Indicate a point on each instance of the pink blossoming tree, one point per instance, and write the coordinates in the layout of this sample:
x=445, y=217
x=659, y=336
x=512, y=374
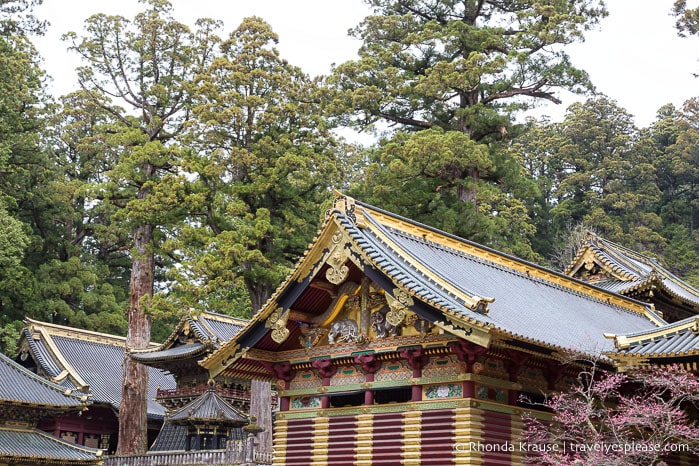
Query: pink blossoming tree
x=638, y=418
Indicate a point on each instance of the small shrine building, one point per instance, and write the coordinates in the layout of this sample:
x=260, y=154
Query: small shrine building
x=195, y=337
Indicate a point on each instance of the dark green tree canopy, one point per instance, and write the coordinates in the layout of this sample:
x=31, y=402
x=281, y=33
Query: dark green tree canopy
x=462, y=65
x=264, y=159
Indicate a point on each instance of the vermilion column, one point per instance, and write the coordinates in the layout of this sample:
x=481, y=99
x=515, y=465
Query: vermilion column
x=370, y=365
x=468, y=353
x=417, y=359
x=326, y=370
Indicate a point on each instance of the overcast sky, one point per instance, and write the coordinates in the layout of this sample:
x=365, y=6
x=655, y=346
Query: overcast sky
x=635, y=57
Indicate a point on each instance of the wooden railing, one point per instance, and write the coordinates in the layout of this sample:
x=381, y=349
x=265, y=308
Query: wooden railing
x=235, y=453
x=199, y=389
x=190, y=458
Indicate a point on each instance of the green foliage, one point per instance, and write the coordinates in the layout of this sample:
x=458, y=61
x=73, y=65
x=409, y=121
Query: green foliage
x=137, y=83
x=210, y=161
x=594, y=168
x=687, y=18
x=9, y=336
x=461, y=65
x=444, y=179
x=16, y=18
x=131, y=165
x=263, y=160
x=463, y=68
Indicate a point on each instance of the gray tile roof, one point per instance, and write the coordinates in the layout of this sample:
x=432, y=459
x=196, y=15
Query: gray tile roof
x=210, y=331
x=209, y=407
x=96, y=361
x=31, y=444
x=467, y=283
x=218, y=326
x=100, y=365
x=19, y=385
x=532, y=308
x=677, y=339
x=171, y=437
x=42, y=355
x=188, y=350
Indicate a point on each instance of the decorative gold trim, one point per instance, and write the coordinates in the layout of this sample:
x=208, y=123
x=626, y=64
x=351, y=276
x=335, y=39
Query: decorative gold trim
x=36, y=326
x=320, y=443
x=364, y=439
x=411, y=445
x=461, y=403
x=466, y=330
x=68, y=370
x=343, y=293
x=398, y=305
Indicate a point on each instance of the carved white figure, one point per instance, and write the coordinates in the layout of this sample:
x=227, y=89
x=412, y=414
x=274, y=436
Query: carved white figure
x=343, y=330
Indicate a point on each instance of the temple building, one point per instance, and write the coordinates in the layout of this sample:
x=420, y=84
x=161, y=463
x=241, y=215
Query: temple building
x=209, y=421
x=26, y=399
x=91, y=363
x=394, y=343
x=621, y=270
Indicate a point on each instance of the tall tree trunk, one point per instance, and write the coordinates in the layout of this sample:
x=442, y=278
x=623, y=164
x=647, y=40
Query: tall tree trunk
x=133, y=421
x=261, y=408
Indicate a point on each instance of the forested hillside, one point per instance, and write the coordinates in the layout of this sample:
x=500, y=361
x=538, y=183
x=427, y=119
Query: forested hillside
x=192, y=164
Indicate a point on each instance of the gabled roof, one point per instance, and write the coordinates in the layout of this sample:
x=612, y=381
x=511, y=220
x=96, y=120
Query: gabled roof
x=194, y=336
x=32, y=446
x=627, y=271
x=677, y=340
x=19, y=386
x=84, y=360
x=468, y=289
x=209, y=408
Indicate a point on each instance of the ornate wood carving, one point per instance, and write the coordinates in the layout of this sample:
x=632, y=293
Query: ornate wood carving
x=467, y=352
x=338, y=271
x=310, y=336
x=280, y=371
x=343, y=330
x=398, y=304
x=325, y=368
x=368, y=362
x=277, y=322
x=416, y=356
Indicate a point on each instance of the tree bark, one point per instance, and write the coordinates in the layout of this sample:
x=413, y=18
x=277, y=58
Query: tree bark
x=261, y=408
x=133, y=421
